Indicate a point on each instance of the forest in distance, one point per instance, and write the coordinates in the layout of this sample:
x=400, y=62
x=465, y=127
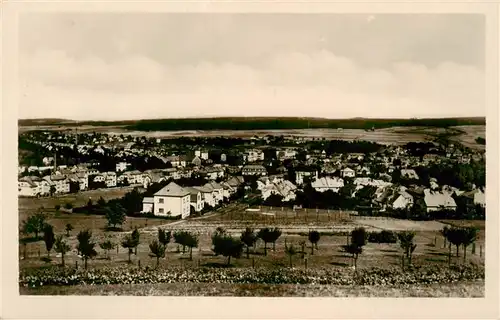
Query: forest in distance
x=259, y=123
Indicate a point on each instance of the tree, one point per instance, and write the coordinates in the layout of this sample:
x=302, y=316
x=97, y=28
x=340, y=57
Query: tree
x=354, y=250
x=359, y=237
x=406, y=242
x=314, y=237
x=128, y=242
x=267, y=236
x=136, y=236
x=290, y=251
x=180, y=238
x=358, y=240
x=68, y=206
x=86, y=246
x=34, y=224
x=57, y=207
x=52, y=190
x=227, y=246
x=107, y=246
x=69, y=227
x=469, y=236
x=157, y=250
x=191, y=241
x=164, y=237
x=275, y=234
x=455, y=236
x=61, y=247
x=115, y=215
x=248, y=237
x=49, y=238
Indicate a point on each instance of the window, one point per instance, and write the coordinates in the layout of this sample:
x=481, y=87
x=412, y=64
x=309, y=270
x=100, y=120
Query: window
x=160, y=210
x=161, y=200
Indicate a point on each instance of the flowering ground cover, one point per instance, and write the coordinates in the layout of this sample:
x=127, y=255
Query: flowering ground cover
x=324, y=276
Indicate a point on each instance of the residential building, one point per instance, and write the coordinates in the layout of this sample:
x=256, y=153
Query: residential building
x=207, y=195
x=110, y=179
x=196, y=198
x=300, y=175
x=348, y=173
x=327, y=183
x=148, y=204
x=409, y=174
x=253, y=169
x=172, y=200
x=402, y=200
x=435, y=200
x=60, y=182
x=122, y=166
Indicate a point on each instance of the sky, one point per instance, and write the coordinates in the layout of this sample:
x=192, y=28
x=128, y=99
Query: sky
x=117, y=66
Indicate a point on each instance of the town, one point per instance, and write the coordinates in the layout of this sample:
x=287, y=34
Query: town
x=182, y=177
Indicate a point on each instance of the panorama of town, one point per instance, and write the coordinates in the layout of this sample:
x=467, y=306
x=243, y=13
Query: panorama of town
x=229, y=210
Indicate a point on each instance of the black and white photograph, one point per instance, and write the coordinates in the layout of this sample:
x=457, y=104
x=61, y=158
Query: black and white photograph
x=252, y=154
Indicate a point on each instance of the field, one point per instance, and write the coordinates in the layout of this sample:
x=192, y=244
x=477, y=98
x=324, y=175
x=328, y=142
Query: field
x=393, y=135
x=333, y=226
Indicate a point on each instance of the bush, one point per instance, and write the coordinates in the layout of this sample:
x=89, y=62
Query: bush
x=383, y=236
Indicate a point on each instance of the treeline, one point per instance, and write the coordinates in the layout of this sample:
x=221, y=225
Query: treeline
x=292, y=123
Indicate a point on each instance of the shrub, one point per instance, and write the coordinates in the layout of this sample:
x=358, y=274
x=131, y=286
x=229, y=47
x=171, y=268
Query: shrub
x=383, y=236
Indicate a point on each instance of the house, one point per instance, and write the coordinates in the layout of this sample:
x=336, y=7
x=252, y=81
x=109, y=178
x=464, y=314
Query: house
x=151, y=176
x=60, y=182
x=29, y=186
x=122, y=166
x=217, y=190
x=148, y=204
x=196, y=161
x=207, y=195
x=409, y=174
x=235, y=182
x=477, y=196
x=300, y=175
x=213, y=173
x=361, y=182
x=172, y=201
x=255, y=155
x=435, y=200
x=347, y=173
x=327, y=183
x=284, y=188
x=196, y=198
x=81, y=178
x=263, y=181
x=253, y=169
x=285, y=154
x=203, y=154
x=402, y=200
x=110, y=179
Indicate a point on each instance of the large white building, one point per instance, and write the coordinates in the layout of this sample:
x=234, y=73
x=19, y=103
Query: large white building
x=172, y=201
x=327, y=183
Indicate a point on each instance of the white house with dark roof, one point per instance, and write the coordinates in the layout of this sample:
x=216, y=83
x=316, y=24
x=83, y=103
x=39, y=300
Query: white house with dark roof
x=172, y=201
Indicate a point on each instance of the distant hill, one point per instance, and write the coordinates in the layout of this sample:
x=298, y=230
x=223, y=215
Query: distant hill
x=260, y=123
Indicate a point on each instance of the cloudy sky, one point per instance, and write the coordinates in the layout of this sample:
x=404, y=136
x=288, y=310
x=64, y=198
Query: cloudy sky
x=144, y=65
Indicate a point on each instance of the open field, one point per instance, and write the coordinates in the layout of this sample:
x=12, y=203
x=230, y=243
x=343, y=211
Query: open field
x=234, y=218
x=468, y=138
x=393, y=135
x=456, y=290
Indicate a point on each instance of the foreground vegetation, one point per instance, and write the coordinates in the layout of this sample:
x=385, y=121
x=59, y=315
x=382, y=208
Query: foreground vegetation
x=457, y=290
x=325, y=276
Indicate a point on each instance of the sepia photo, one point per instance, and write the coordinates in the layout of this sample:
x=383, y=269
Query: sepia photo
x=253, y=154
